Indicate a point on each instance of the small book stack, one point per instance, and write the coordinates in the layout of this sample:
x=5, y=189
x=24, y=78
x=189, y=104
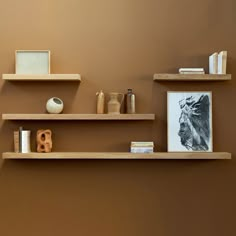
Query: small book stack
x=217, y=63
x=142, y=147
x=191, y=71
x=22, y=140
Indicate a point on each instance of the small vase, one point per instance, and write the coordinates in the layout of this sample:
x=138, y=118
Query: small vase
x=115, y=103
x=54, y=105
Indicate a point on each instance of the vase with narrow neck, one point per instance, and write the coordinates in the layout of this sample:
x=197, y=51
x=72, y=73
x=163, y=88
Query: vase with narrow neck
x=115, y=102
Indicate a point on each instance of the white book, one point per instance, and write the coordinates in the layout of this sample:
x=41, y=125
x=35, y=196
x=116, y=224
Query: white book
x=192, y=72
x=213, y=63
x=25, y=141
x=141, y=149
x=190, y=69
x=222, y=61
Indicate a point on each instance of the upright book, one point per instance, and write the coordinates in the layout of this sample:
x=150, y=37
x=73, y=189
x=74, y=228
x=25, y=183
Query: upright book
x=222, y=61
x=213, y=63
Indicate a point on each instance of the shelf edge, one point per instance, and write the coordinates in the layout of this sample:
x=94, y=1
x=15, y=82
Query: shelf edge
x=120, y=155
x=40, y=77
x=191, y=77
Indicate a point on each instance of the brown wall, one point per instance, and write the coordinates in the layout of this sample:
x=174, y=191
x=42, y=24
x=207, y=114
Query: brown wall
x=117, y=45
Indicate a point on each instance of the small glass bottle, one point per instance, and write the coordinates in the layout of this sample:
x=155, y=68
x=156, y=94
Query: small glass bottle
x=130, y=102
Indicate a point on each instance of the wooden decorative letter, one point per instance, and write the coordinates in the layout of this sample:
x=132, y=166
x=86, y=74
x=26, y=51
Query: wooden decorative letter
x=44, y=140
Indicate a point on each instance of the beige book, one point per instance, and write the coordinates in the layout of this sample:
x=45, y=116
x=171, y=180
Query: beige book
x=16, y=141
x=142, y=144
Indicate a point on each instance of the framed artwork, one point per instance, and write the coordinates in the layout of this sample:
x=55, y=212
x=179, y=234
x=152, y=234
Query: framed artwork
x=32, y=62
x=189, y=121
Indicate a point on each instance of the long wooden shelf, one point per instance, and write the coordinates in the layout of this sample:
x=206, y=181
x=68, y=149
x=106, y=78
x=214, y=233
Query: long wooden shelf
x=120, y=155
x=78, y=117
x=46, y=77
x=191, y=77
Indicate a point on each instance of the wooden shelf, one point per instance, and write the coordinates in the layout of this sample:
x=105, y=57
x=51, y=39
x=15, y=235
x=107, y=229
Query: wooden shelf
x=120, y=155
x=78, y=117
x=191, y=77
x=47, y=77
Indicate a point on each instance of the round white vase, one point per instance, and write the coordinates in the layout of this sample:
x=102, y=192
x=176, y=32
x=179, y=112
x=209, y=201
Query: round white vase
x=54, y=105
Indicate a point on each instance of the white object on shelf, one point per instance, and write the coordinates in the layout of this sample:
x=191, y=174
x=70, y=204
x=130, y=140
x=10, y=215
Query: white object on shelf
x=213, y=63
x=32, y=62
x=141, y=149
x=25, y=141
x=54, y=105
x=191, y=70
x=222, y=61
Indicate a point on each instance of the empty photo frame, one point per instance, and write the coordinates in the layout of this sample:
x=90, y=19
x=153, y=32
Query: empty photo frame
x=32, y=62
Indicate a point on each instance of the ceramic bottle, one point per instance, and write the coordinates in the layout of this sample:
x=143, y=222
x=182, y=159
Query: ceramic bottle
x=130, y=102
x=100, y=102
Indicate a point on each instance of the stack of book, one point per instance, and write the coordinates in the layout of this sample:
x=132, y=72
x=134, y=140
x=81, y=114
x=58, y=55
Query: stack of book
x=191, y=71
x=217, y=63
x=22, y=140
x=142, y=147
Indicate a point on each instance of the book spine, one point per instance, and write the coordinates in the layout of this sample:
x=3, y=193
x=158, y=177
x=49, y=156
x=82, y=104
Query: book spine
x=142, y=144
x=141, y=149
x=191, y=69
x=16, y=141
x=20, y=139
x=192, y=72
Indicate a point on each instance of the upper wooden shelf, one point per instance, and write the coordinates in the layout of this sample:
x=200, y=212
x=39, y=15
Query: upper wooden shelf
x=120, y=155
x=191, y=77
x=78, y=117
x=47, y=77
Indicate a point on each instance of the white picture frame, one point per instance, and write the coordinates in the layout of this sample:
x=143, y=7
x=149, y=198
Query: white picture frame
x=189, y=121
x=32, y=62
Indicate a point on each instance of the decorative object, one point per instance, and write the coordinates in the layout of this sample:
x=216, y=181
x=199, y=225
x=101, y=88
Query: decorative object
x=100, y=102
x=189, y=121
x=54, y=105
x=130, y=102
x=115, y=102
x=44, y=140
x=32, y=62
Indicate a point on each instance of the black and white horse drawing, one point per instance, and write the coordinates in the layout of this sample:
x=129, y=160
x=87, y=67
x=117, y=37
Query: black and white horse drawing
x=194, y=122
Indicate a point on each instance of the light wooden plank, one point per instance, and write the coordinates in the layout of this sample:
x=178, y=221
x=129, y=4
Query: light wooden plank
x=120, y=155
x=78, y=117
x=191, y=77
x=48, y=77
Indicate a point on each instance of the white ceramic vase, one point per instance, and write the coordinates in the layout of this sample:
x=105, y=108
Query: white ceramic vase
x=54, y=105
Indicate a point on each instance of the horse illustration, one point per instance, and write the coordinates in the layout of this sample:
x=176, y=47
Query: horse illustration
x=194, y=123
